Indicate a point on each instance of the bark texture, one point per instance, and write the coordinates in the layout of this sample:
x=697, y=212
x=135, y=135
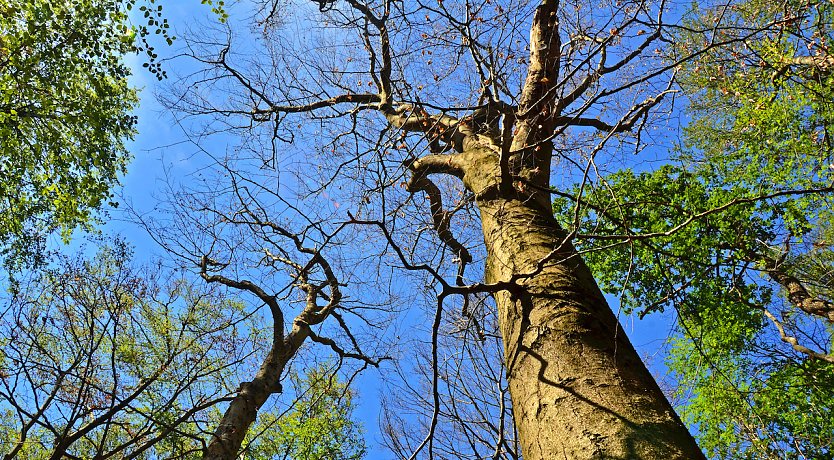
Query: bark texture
x=243, y=410
x=579, y=389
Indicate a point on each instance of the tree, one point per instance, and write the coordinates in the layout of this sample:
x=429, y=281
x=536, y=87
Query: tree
x=777, y=118
x=65, y=114
x=231, y=221
x=736, y=236
x=368, y=109
x=103, y=359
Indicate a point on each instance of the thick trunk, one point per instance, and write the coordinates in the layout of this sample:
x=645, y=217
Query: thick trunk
x=579, y=389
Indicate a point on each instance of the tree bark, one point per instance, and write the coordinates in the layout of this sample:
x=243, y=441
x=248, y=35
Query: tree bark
x=579, y=389
x=243, y=410
x=227, y=439
x=798, y=295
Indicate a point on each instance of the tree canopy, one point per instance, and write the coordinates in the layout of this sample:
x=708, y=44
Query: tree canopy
x=735, y=235
x=65, y=115
x=104, y=358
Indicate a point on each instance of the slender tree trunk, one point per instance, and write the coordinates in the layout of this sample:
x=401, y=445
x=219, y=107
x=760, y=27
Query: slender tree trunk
x=227, y=439
x=579, y=389
x=243, y=410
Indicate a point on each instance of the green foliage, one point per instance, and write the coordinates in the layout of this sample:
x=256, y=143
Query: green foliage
x=752, y=406
x=318, y=425
x=65, y=114
x=748, y=393
x=683, y=232
x=763, y=107
x=101, y=358
x=218, y=8
x=763, y=113
x=151, y=23
x=748, y=197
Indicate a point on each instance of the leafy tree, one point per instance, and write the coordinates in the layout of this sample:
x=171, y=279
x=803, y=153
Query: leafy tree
x=774, y=388
x=101, y=358
x=65, y=114
x=736, y=236
x=104, y=359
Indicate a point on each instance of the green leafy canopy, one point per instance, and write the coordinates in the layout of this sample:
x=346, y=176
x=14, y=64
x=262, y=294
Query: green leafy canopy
x=727, y=233
x=65, y=114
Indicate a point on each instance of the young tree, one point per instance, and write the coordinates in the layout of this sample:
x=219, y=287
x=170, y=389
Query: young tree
x=376, y=105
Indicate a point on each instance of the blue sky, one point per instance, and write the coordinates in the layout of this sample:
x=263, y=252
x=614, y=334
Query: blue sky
x=160, y=149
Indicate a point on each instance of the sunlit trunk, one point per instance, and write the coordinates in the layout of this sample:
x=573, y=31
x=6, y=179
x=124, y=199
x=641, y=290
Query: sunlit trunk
x=228, y=438
x=578, y=387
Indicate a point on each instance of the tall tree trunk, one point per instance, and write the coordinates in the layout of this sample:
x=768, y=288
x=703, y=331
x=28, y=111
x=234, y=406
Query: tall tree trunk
x=579, y=389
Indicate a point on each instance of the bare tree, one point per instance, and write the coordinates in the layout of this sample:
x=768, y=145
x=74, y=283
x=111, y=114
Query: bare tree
x=349, y=133
x=235, y=242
